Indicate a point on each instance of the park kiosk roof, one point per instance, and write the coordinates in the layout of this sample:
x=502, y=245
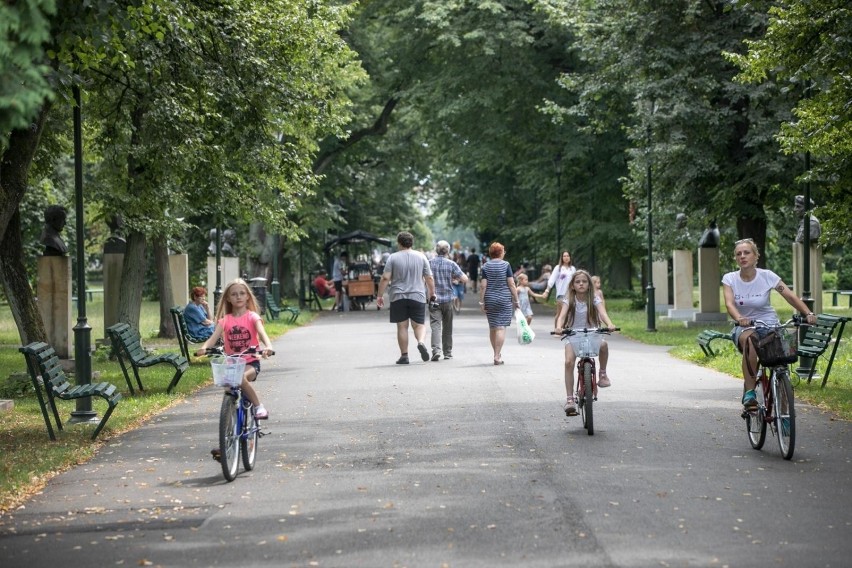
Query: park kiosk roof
x=355, y=237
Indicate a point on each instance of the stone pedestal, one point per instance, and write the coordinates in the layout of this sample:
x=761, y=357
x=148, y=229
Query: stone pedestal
x=179, y=269
x=660, y=273
x=709, y=283
x=54, y=302
x=112, y=288
x=683, y=277
x=230, y=271
x=815, y=273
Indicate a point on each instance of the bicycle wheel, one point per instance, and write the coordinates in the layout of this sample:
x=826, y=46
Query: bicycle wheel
x=756, y=420
x=229, y=436
x=588, y=397
x=248, y=443
x=785, y=413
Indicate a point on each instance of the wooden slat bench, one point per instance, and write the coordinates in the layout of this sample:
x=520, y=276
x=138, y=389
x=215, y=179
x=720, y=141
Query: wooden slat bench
x=707, y=336
x=44, y=364
x=274, y=309
x=184, y=336
x=126, y=344
x=835, y=293
x=817, y=340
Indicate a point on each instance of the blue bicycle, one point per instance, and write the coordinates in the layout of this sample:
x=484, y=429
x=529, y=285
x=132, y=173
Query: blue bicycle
x=239, y=430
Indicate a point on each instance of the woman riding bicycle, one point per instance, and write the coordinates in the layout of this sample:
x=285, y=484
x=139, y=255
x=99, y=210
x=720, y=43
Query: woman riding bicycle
x=747, y=298
x=239, y=324
x=577, y=315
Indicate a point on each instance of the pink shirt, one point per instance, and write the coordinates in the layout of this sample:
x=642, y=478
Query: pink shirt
x=240, y=333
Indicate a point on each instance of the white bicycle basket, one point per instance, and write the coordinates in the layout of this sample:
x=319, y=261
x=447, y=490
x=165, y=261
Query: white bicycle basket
x=586, y=344
x=227, y=371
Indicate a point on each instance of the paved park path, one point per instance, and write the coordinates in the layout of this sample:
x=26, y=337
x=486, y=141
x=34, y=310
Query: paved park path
x=453, y=464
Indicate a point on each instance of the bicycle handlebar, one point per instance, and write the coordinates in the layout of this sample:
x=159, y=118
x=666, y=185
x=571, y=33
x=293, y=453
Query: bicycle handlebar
x=567, y=332
x=253, y=350
x=795, y=321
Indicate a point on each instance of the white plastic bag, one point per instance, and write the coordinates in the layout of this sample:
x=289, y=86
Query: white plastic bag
x=525, y=332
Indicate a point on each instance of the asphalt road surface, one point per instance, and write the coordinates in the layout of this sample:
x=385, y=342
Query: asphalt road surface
x=456, y=463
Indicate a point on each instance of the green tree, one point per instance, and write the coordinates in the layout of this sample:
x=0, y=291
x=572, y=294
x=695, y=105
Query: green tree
x=805, y=48
x=706, y=139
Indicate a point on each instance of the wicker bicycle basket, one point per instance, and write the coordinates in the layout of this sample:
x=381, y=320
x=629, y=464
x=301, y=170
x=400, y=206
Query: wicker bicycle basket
x=778, y=347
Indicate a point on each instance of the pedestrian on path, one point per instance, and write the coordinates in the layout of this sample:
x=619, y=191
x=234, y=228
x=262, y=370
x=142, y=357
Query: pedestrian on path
x=559, y=279
x=409, y=282
x=498, y=297
x=444, y=271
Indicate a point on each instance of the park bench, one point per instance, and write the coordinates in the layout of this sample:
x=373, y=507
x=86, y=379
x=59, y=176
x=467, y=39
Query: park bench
x=313, y=298
x=46, y=371
x=707, y=336
x=127, y=347
x=817, y=340
x=836, y=293
x=275, y=310
x=183, y=335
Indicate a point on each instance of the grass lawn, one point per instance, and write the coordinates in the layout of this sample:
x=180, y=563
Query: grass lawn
x=31, y=459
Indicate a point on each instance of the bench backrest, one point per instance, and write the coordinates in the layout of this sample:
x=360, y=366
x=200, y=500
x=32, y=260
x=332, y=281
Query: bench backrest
x=818, y=336
x=181, y=329
x=44, y=361
x=128, y=338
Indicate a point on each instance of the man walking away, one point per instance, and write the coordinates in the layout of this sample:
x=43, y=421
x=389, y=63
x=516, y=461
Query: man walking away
x=404, y=277
x=473, y=267
x=444, y=271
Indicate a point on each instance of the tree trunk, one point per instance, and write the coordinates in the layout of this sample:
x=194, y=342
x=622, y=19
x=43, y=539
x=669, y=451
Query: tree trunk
x=754, y=229
x=132, y=280
x=17, y=287
x=164, y=289
x=14, y=175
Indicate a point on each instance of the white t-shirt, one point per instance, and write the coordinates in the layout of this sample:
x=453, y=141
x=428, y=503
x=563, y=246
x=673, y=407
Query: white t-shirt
x=581, y=313
x=560, y=278
x=752, y=298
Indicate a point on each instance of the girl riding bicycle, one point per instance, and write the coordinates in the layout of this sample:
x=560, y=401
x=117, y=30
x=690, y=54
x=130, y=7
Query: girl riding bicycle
x=240, y=326
x=577, y=315
x=747, y=292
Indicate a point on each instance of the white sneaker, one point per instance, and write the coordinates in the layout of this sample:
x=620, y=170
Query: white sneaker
x=603, y=380
x=260, y=412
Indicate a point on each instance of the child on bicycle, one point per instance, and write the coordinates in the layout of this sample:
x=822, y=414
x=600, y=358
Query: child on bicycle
x=577, y=315
x=747, y=292
x=240, y=326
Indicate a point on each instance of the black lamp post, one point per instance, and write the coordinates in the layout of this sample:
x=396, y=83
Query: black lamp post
x=651, y=300
x=82, y=331
x=276, y=285
x=217, y=292
x=557, y=167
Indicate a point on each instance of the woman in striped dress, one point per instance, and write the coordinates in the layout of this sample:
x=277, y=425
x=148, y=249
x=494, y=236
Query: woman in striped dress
x=498, y=297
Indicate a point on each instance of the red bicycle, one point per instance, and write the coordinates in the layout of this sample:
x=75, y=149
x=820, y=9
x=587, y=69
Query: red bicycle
x=586, y=343
x=775, y=408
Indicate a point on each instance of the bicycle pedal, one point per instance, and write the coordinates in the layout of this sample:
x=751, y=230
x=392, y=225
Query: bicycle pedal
x=261, y=433
x=216, y=454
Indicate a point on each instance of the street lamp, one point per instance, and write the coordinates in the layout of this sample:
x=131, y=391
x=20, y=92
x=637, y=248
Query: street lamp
x=82, y=331
x=651, y=300
x=557, y=167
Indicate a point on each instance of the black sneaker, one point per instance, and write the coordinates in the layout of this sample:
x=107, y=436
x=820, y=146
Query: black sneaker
x=448, y=355
x=402, y=360
x=424, y=353
x=436, y=357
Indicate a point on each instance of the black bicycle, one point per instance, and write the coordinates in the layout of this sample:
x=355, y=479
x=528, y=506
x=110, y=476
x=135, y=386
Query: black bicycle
x=775, y=406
